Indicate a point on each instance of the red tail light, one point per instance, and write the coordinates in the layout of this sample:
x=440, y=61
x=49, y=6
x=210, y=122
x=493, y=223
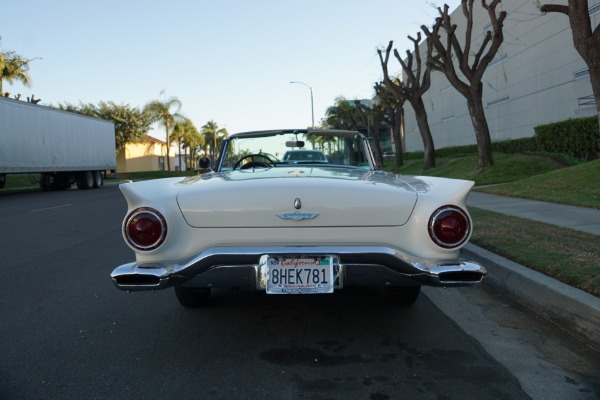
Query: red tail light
x=145, y=229
x=449, y=227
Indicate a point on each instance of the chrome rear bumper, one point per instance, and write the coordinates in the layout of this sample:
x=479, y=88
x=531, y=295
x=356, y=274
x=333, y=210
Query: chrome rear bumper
x=242, y=267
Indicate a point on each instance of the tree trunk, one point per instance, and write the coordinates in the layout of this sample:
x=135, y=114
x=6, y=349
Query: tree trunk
x=485, y=156
x=397, y=127
x=586, y=40
x=168, y=152
x=179, y=153
x=428, y=147
x=186, y=158
x=192, y=160
x=376, y=130
x=595, y=80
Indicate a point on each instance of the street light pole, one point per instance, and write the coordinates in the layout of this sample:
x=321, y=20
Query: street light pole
x=312, y=108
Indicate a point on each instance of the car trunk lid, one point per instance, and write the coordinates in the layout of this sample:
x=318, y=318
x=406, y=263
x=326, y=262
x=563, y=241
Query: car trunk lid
x=297, y=197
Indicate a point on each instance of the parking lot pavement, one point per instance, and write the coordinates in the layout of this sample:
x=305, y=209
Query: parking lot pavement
x=575, y=311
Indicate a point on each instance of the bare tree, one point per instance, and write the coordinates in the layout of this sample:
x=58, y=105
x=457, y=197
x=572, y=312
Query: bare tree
x=371, y=118
x=393, y=114
x=417, y=82
x=586, y=41
x=451, y=52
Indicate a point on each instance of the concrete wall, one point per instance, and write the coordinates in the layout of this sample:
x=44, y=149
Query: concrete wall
x=537, y=77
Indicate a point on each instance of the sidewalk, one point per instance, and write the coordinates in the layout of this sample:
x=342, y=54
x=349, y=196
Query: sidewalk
x=578, y=218
x=573, y=310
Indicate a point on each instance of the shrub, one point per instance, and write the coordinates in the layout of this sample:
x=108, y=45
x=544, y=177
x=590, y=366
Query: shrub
x=515, y=146
x=579, y=137
x=573, y=138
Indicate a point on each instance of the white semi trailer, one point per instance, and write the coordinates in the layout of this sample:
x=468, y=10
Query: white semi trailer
x=63, y=147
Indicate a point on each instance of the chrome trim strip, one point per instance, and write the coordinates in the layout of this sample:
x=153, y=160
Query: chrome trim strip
x=154, y=276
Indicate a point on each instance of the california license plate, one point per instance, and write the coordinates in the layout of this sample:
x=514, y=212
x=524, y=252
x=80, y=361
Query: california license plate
x=300, y=275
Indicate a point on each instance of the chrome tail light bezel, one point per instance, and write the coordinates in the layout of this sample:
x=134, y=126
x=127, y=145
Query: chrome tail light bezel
x=439, y=215
x=156, y=217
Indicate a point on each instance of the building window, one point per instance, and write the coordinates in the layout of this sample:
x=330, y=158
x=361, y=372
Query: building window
x=161, y=163
x=498, y=101
x=582, y=73
x=586, y=101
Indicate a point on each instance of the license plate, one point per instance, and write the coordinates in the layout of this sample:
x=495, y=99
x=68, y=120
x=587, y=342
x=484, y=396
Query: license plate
x=300, y=275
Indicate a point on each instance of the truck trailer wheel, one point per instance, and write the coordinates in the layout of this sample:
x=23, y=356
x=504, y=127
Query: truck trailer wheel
x=85, y=180
x=62, y=181
x=98, y=179
x=45, y=182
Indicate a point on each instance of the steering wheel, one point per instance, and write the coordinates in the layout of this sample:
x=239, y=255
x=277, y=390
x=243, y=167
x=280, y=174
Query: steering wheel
x=254, y=164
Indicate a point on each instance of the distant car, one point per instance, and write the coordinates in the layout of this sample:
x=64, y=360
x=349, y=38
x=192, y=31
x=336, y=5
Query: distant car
x=388, y=155
x=259, y=223
x=304, y=156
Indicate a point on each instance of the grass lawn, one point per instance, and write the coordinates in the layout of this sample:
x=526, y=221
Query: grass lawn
x=578, y=185
x=533, y=177
x=22, y=181
x=507, y=168
x=567, y=255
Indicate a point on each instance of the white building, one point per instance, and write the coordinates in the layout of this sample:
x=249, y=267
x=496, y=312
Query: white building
x=537, y=77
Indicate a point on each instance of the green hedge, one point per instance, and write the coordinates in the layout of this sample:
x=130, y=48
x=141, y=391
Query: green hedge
x=578, y=137
x=515, y=146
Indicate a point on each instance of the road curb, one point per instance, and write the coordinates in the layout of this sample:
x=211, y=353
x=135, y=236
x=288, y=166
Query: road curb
x=572, y=310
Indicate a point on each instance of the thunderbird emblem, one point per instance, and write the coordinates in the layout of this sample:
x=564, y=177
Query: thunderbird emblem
x=298, y=216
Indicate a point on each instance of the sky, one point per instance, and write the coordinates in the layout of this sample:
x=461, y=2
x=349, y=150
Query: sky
x=230, y=61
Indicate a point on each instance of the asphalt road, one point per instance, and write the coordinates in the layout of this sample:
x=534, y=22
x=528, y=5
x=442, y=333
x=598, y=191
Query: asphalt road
x=67, y=333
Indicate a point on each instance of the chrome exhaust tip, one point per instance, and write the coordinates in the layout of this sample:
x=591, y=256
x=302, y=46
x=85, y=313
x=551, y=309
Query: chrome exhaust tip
x=130, y=277
x=458, y=273
x=136, y=280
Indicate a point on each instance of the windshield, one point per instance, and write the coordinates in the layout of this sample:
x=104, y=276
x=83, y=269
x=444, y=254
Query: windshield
x=281, y=149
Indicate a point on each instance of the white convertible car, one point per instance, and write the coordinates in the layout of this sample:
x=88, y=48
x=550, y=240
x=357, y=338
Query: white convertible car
x=296, y=227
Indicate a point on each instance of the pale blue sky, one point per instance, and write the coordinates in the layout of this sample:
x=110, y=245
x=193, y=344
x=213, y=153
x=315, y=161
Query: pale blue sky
x=230, y=61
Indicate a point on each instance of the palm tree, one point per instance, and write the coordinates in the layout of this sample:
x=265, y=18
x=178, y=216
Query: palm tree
x=213, y=136
x=13, y=68
x=325, y=141
x=188, y=137
x=342, y=115
x=178, y=135
x=165, y=113
x=192, y=140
